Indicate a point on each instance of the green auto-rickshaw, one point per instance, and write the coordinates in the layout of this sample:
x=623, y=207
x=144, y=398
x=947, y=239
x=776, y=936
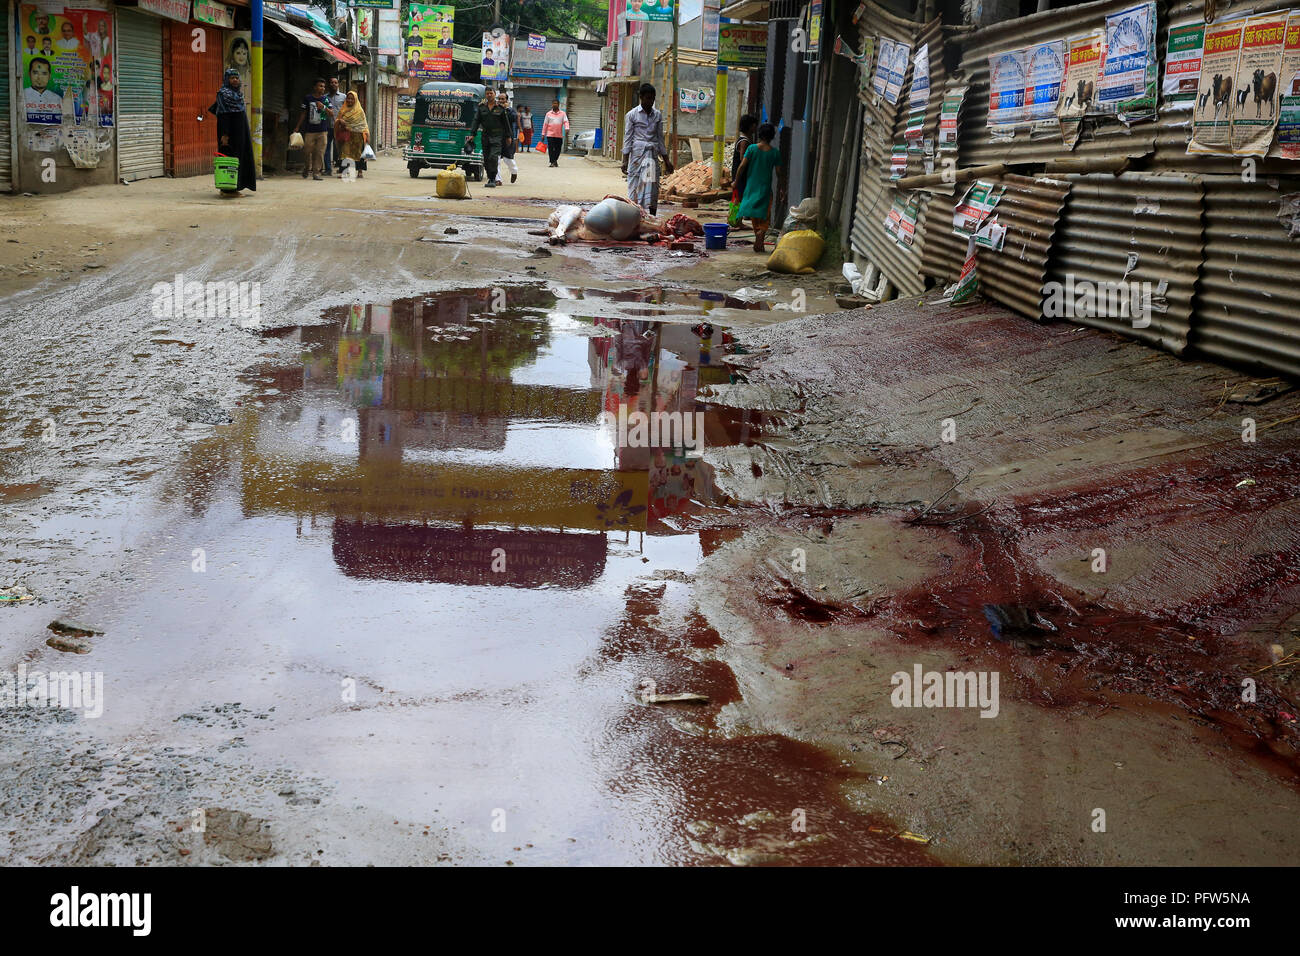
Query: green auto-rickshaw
x=440, y=125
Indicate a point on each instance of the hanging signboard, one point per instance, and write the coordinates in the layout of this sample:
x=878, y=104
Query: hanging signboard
x=217, y=14
x=709, y=25
x=389, y=40
x=743, y=46
x=657, y=10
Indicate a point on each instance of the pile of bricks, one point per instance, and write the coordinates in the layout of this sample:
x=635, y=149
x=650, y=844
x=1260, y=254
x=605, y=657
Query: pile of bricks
x=695, y=181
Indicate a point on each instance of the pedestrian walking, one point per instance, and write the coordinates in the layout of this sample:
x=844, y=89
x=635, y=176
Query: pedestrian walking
x=761, y=160
x=643, y=145
x=525, y=127
x=352, y=133
x=233, y=135
x=335, y=97
x=512, y=141
x=318, y=117
x=554, y=126
x=746, y=127
x=494, y=123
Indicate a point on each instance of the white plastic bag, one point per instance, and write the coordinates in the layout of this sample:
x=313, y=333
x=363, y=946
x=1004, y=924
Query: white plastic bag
x=295, y=140
x=367, y=153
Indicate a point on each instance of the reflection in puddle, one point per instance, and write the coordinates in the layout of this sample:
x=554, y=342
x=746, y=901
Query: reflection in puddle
x=470, y=523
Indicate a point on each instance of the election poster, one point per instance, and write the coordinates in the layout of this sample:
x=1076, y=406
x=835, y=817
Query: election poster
x=67, y=66
x=1127, y=86
x=1007, y=82
x=1046, y=68
x=429, y=40
x=1183, y=65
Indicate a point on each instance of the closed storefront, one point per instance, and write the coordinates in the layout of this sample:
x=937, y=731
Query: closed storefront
x=586, y=110
x=139, y=95
x=538, y=100
x=6, y=132
x=192, y=73
x=387, y=135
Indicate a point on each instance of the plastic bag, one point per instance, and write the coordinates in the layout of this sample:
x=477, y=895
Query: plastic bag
x=802, y=216
x=367, y=153
x=295, y=140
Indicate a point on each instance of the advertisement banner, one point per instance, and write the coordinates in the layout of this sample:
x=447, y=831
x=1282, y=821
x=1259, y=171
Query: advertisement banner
x=1046, y=69
x=643, y=10
x=1288, y=125
x=1183, y=65
x=67, y=66
x=557, y=60
x=218, y=14
x=1212, y=114
x=1254, y=111
x=709, y=25
x=1007, y=84
x=1079, y=87
x=744, y=46
x=495, y=62
x=536, y=41
x=375, y=4
x=389, y=41
x=429, y=40
x=1128, y=74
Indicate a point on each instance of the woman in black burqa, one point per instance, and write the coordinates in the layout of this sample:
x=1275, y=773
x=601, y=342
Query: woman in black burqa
x=233, y=135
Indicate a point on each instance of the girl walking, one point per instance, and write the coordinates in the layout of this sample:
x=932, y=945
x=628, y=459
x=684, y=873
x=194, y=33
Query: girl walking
x=760, y=161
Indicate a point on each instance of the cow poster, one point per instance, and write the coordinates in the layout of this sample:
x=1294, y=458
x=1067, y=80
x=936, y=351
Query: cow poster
x=1212, y=113
x=1288, y=126
x=1255, y=97
x=1079, y=87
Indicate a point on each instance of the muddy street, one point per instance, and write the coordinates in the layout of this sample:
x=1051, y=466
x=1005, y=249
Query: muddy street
x=392, y=572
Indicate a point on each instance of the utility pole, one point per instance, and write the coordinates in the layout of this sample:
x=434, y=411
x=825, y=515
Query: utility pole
x=719, y=123
x=673, y=104
x=255, y=11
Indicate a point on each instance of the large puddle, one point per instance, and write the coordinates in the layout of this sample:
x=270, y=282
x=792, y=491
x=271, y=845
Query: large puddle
x=435, y=555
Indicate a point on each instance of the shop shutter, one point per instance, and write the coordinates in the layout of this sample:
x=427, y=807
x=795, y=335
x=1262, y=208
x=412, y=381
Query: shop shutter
x=193, y=79
x=538, y=99
x=585, y=111
x=139, y=96
x=6, y=157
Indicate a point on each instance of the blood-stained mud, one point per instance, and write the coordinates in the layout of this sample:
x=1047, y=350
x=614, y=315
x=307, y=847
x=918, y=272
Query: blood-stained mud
x=420, y=574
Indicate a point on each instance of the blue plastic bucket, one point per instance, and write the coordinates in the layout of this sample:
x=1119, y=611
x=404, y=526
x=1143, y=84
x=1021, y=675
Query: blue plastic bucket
x=715, y=235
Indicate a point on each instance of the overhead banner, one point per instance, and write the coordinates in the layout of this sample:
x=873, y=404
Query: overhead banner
x=495, y=63
x=642, y=10
x=429, y=40
x=742, y=46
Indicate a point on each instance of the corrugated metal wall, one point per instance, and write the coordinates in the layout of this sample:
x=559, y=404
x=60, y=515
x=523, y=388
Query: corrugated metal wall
x=1247, y=309
x=139, y=96
x=881, y=123
x=6, y=131
x=1136, y=228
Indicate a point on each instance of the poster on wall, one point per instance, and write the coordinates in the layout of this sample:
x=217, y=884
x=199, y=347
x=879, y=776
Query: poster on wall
x=1288, y=124
x=948, y=114
x=67, y=66
x=918, y=99
x=1007, y=84
x=1079, y=87
x=429, y=34
x=236, y=54
x=899, y=56
x=1127, y=86
x=881, y=78
x=1255, y=107
x=1045, y=66
x=865, y=60
x=1183, y=65
x=1212, y=114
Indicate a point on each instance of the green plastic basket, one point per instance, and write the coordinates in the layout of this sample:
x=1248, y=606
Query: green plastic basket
x=225, y=171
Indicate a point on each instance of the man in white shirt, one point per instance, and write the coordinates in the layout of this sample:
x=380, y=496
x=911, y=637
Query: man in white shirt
x=643, y=145
x=38, y=98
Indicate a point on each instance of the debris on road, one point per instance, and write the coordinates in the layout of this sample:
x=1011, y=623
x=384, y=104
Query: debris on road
x=682, y=698
x=15, y=595
x=69, y=644
x=76, y=628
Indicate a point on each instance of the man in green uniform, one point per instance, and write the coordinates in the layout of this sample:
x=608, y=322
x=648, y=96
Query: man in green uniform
x=493, y=120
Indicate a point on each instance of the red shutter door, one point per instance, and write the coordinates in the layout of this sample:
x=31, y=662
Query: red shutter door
x=192, y=83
